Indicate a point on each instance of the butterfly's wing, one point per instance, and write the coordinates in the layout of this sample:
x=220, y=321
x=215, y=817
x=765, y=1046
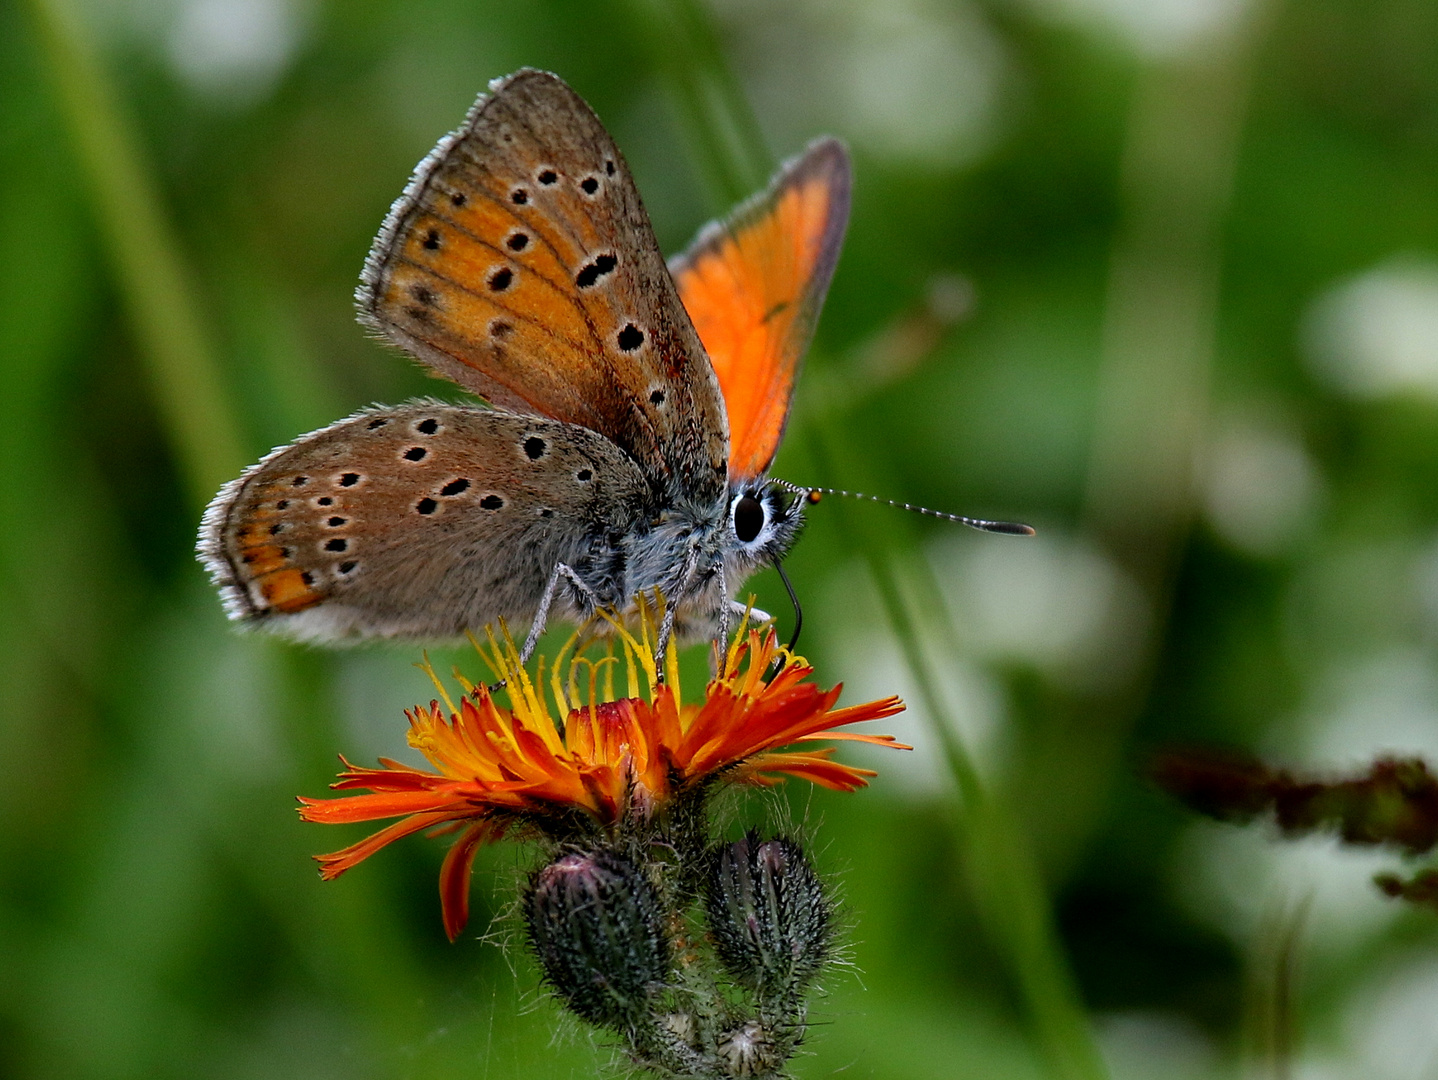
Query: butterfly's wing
x=520, y=263
x=418, y=521
x=753, y=286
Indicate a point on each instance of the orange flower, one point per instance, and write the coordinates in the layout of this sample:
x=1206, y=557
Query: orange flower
x=612, y=761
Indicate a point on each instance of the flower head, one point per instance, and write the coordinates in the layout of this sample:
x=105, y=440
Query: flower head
x=597, y=762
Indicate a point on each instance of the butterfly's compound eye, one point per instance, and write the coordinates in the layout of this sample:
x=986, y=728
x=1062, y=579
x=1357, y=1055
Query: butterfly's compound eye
x=748, y=518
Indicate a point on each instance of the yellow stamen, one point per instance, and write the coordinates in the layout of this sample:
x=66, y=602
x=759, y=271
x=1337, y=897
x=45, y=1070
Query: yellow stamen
x=428, y=669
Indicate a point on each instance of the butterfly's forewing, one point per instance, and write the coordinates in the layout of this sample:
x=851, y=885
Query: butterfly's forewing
x=753, y=286
x=520, y=263
x=418, y=521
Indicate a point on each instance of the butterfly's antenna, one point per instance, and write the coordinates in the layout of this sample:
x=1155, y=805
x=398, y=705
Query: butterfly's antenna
x=814, y=494
x=793, y=599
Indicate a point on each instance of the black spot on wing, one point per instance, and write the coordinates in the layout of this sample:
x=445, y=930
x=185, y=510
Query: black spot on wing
x=591, y=272
x=630, y=338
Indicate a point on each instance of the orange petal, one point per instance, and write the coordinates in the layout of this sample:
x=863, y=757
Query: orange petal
x=337, y=862
x=855, y=736
x=814, y=767
x=454, y=877
x=379, y=805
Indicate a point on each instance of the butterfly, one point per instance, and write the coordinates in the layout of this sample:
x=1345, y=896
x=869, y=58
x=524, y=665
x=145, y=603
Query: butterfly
x=633, y=407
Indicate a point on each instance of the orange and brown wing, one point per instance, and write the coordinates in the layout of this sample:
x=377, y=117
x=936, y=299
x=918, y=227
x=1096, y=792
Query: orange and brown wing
x=520, y=263
x=754, y=285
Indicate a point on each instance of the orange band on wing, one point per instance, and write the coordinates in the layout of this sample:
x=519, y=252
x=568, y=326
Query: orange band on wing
x=753, y=290
x=288, y=591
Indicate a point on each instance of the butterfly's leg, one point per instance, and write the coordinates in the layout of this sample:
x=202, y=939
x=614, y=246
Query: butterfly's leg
x=721, y=635
x=561, y=570
x=671, y=609
x=725, y=607
x=756, y=615
x=541, y=616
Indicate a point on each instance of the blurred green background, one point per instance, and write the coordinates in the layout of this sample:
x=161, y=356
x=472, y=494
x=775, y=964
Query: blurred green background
x=1160, y=278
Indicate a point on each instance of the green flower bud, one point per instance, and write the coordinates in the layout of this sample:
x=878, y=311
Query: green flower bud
x=771, y=920
x=595, y=923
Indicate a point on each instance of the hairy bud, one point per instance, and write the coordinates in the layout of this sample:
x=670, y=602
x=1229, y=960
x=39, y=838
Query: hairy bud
x=771, y=920
x=596, y=924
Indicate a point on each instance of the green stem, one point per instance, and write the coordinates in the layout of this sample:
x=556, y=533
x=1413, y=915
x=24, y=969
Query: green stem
x=723, y=132
x=150, y=271
x=1007, y=886
x=956, y=755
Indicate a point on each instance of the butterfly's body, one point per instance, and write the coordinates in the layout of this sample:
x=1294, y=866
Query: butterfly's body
x=618, y=457
x=695, y=553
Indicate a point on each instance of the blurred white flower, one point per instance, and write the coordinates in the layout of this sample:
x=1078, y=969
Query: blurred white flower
x=1050, y=601
x=1260, y=488
x=1382, y=704
x=915, y=80
x=234, y=49
x=1234, y=878
x=855, y=634
x=973, y=701
x=1153, y=28
x=1391, y=1024
x=918, y=81
x=1144, y=1045
x=1376, y=334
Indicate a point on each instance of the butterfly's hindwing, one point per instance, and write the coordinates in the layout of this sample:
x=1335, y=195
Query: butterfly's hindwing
x=418, y=521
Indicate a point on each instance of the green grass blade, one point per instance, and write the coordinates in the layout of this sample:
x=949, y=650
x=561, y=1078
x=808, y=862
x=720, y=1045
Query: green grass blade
x=149, y=268
x=1003, y=877
x=723, y=133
